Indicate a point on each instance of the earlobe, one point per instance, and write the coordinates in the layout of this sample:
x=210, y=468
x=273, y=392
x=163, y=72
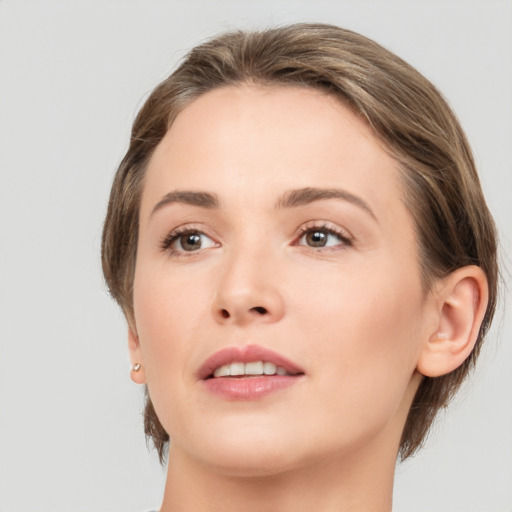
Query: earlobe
x=138, y=373
x=461, y=304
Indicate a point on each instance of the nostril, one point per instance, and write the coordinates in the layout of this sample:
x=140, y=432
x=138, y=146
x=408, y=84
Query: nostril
x=224, y=313
x=260, y=310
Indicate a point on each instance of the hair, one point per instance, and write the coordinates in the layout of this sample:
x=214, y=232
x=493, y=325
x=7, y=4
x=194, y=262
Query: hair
x=441, y=188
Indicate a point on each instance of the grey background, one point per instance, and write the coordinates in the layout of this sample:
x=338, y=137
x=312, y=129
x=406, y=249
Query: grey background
x=72, y=76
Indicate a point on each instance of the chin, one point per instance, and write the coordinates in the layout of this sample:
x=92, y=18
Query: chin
x=249, y=452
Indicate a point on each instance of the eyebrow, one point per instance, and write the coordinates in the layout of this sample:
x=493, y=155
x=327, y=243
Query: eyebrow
x=303, y=196
x=190, y=197
x=290, y=199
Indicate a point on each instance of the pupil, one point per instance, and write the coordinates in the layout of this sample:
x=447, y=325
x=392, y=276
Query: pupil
x=191, y=241
x=317, y=238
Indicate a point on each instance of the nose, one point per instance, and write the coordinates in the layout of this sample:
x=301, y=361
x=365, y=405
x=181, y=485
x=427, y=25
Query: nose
x=248, y=292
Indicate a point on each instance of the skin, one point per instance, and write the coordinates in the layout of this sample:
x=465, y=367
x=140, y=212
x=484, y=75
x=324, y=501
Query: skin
x=353, y=314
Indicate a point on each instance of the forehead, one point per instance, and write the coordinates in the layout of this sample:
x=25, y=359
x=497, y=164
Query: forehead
x=239, y=139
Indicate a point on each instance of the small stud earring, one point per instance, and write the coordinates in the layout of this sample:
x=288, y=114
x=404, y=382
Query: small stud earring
x=136, y=367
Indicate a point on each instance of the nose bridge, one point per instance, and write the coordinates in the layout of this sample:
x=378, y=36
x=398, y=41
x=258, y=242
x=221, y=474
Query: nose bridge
x=248, y=286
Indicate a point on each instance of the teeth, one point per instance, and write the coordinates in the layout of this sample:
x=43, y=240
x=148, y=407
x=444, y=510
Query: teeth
x=237, y=369
x=222, y=371
x=252, y=368
x=269, y=368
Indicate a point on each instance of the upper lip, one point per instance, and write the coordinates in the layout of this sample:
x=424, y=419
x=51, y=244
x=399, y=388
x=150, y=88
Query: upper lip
x=245, y=354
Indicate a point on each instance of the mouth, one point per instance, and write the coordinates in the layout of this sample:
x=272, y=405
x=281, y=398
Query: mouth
x=239, y=369
x=247, y=361
x=248, y=373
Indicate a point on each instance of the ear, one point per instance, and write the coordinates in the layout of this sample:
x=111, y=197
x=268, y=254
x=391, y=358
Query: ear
x=461, y=304
x=138, y=373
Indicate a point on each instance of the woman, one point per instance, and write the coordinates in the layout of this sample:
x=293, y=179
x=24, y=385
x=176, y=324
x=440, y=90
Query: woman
x=299, y=242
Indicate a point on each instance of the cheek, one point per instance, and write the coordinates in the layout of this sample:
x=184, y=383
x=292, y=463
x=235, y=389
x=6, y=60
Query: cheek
x=168, y=315
x=369, y=310
x=367, y=344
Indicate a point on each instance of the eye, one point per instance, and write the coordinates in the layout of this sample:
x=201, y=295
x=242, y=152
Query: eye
x=320, y=237
x=187, y=241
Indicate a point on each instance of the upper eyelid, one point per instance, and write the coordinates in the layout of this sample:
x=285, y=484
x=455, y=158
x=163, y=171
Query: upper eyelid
x=324, y=225
x=191, y=227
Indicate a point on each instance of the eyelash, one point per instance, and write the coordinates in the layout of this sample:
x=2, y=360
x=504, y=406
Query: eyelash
x=345, y=239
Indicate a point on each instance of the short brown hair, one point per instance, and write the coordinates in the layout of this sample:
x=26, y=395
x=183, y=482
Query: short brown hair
x=454, y=227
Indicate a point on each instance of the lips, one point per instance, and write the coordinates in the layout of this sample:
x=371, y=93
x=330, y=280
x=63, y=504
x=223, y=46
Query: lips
x=248, y=373
x=246, y=354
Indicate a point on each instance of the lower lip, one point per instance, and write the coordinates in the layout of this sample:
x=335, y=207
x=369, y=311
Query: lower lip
x=249, y=388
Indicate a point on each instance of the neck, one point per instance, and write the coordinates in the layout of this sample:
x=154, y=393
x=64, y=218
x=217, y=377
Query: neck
x=348, y=483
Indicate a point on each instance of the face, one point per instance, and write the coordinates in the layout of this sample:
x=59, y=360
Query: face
x=274, y=238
